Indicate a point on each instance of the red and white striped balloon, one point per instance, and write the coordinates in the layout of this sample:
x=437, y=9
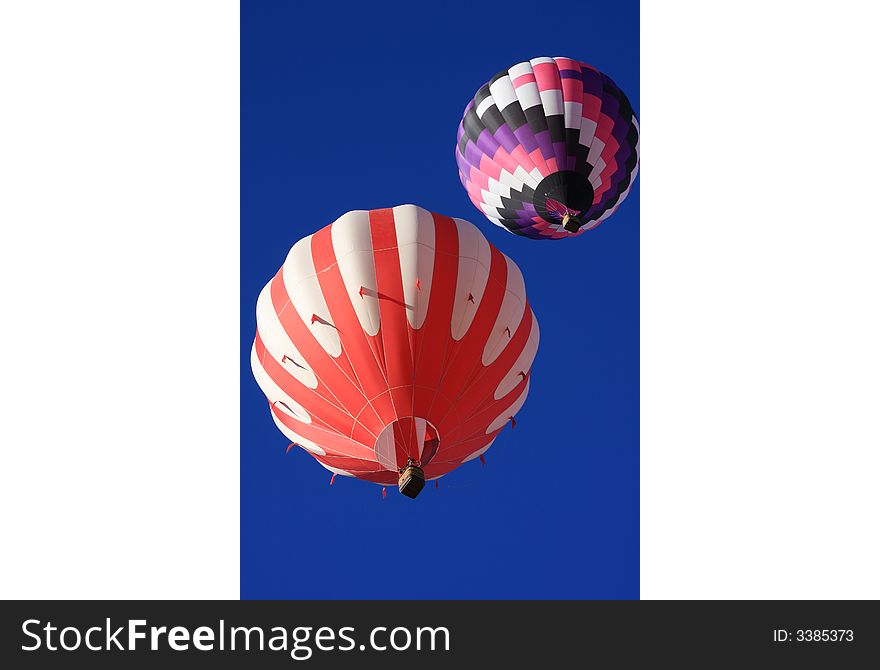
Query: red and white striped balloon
x=394, y=335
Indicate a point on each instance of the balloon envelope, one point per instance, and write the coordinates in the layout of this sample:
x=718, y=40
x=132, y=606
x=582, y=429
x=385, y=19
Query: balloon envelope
x=394, y=336
x=548, y=148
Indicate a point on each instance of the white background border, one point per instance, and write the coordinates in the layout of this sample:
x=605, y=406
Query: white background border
x=760, y=290
x=119, y=185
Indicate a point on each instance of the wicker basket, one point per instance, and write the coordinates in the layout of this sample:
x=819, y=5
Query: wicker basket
x=411, y=481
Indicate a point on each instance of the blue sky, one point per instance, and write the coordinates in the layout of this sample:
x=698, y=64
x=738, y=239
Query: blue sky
x=356, y=107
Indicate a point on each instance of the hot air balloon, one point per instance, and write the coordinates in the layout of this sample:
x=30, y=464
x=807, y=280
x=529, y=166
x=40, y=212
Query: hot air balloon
x=394, y=345
x=548, y=148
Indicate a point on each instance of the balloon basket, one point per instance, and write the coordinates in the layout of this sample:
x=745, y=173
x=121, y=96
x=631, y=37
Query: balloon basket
x=572, y=225
x=411, y=481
